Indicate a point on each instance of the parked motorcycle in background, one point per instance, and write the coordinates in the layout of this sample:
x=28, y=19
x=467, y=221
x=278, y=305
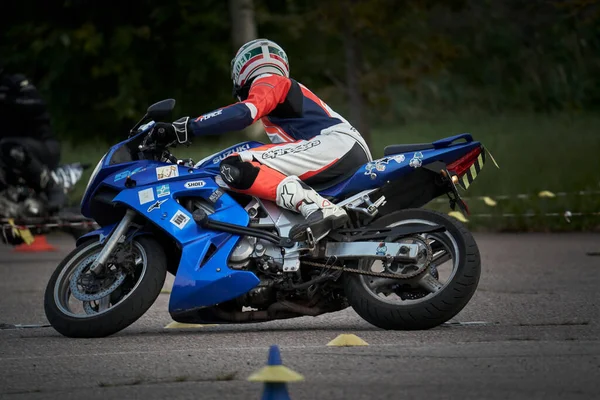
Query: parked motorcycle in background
x=20, y=205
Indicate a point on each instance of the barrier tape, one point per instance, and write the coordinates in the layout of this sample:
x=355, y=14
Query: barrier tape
x=567, y=215
x=491, y=201
x=52, y=225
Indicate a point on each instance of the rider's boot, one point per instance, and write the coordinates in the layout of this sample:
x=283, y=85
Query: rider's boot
x=321, y=215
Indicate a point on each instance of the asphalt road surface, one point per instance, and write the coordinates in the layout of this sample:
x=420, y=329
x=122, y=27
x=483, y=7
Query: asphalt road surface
x=534, y=335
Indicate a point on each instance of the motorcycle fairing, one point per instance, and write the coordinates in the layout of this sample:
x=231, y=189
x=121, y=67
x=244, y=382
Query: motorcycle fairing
x=203, y=278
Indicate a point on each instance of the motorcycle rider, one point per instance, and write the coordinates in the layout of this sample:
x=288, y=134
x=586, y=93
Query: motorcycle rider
x=312, y=143
x=27, y=146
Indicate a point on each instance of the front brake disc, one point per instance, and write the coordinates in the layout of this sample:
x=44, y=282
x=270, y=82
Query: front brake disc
x=77, y=280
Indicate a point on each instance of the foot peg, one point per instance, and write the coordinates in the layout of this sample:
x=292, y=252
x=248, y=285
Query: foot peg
x=200, y=217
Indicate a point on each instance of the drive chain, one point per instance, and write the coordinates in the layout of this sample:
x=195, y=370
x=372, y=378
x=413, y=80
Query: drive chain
x=353, y=270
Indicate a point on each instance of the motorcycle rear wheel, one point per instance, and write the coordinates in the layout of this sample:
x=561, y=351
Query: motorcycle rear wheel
x=115, y=311
x=404, y=308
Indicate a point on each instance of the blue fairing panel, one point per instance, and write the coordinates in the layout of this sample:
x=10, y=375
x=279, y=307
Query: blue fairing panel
x=393, y=167
x=201, y=280
x=102, y=233
x=201, y=283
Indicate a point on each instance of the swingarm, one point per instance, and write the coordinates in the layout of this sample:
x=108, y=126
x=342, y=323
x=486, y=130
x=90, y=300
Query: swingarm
x=402, y=252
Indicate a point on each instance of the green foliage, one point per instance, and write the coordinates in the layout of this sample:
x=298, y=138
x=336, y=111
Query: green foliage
x=537, y=56
x=100, y=65
x=423, y=57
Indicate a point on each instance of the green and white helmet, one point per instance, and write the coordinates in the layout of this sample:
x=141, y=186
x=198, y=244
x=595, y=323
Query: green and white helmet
x=257, y=57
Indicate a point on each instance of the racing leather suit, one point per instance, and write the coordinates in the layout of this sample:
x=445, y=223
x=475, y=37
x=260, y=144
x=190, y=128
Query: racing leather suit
x=310, y=140
x=311, y=144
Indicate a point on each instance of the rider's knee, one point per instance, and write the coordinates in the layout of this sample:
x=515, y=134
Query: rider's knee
x=237, y=173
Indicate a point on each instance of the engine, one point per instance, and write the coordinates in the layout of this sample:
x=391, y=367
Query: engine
x=265, y=256
x=250, y=253
x=278, y=294
x=265, y=260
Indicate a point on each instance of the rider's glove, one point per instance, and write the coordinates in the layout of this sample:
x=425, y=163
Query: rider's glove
x=165, y=133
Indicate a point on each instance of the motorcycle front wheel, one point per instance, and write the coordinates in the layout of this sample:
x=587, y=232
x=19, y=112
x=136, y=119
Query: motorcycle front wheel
x=424, y=296
x=83, y=305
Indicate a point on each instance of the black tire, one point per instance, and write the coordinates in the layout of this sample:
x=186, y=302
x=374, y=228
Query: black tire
x=121, y=315
x=429, y=313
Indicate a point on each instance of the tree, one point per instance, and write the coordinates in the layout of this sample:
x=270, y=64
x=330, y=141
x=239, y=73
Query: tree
x=353, y=61
x=376, y=61
x=243, y=24
x=243, y=29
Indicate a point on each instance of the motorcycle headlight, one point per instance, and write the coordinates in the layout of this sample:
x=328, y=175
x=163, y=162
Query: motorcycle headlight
x=94, y=173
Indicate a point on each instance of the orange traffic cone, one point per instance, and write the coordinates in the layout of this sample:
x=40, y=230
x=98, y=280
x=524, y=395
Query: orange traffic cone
x=40, y=244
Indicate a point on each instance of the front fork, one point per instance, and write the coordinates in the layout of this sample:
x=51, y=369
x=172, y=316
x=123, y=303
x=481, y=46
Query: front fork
x=112, y=242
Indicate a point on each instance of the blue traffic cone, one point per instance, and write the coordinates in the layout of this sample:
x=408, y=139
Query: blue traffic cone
x=275, y=376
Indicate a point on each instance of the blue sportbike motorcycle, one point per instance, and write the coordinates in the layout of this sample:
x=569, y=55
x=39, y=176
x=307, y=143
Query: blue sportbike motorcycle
x=399, y=266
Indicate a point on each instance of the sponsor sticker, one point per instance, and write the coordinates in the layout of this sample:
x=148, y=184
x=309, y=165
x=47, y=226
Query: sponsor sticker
x=381, y=249
x=209, y=115
x=146, y=196
x=399, y=158
x=224, y=155
x=216, y=195
x=125, y=174
x=167, y=171
x=277, y=152
x=377, y=165
x=163, y=190
x=156, y=206
x=416, y=160
x=381, y=164
x=369, y=170
x=180, y=219
x=121, y=175
x=194, y=184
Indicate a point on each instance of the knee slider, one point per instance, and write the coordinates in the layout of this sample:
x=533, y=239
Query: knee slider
x=237, y=173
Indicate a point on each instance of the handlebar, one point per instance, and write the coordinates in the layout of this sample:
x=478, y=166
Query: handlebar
x=161, y=153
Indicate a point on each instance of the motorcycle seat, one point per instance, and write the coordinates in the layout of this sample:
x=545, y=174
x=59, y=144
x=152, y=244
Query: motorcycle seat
x=338, y=179
x=406, y=148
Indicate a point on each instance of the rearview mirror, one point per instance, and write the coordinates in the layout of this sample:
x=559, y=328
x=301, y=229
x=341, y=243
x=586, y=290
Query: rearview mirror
x=160, y=110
